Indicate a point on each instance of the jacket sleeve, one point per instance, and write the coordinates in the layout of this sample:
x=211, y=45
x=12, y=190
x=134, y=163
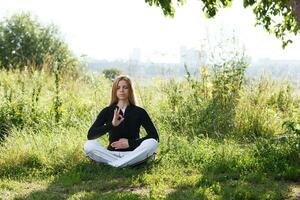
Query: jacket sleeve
x=150, y=129
x=100, y=126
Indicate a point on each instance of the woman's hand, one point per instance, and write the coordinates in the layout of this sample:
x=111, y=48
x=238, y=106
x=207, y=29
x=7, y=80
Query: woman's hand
x=117, y=119
x=120, y=144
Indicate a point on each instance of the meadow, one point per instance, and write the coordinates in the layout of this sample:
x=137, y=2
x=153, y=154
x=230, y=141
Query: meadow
x=222, y=136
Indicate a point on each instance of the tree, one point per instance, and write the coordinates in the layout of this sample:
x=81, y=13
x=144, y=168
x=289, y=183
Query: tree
x=279, y=17
x=111, y=73
x=26, y=42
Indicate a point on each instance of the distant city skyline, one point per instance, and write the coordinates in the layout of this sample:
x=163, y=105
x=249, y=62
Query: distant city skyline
x=119, y=29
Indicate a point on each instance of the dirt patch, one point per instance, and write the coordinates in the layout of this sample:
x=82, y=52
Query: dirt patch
x=295, y=191
x=138, y=190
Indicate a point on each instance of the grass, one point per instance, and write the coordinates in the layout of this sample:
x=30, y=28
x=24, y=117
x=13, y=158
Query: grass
x=254, y=157
x=205, y=169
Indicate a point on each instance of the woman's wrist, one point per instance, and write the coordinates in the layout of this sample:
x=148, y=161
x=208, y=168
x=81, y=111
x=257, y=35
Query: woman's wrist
x=114, y=124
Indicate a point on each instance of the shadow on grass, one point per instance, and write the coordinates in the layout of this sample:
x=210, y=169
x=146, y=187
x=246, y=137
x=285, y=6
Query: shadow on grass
x=231, y=190
x=91, y=181
x=232, y=185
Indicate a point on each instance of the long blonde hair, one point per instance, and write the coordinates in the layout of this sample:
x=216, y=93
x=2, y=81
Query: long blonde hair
x=114, y=98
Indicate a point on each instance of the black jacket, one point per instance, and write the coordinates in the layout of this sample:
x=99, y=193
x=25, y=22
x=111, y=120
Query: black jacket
x=134, y=118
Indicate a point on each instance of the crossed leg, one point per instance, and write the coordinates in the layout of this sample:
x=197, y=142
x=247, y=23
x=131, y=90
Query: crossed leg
x=98, y=153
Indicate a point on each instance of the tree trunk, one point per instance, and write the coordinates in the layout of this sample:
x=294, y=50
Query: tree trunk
x=296, y=10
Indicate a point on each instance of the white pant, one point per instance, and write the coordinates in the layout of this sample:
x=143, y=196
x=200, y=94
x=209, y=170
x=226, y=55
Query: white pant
x=98, y=153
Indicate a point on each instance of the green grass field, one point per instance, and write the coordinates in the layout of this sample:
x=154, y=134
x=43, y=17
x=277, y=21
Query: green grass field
x=220, y=138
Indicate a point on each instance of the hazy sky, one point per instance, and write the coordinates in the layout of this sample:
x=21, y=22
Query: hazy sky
x=113, y=28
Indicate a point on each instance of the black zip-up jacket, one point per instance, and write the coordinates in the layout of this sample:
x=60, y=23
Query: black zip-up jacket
x=134, y=118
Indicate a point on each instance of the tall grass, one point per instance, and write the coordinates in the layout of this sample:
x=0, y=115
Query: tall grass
x=222, y=137
x=40, y=100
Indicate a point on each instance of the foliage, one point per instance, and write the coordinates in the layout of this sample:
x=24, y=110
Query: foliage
x=46, y=154
x=40, y=100
x=277, y=17
x=111, y=73
x=292, y=127
x=227, y=82
x=24, y=42
x=206, y=105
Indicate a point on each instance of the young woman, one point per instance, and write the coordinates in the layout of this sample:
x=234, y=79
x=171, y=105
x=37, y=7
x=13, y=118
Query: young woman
x=122, y=119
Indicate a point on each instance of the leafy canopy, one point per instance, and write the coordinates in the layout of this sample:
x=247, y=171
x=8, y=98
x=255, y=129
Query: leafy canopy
x=276, y=16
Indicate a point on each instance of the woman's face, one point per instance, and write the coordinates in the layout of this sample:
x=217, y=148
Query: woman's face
x=122, y=90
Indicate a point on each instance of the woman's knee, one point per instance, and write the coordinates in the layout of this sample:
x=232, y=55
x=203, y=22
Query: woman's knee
x=89, y=146
x=151, y=142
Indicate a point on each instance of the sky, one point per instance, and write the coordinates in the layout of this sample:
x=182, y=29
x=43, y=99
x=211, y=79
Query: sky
x=112, y=29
